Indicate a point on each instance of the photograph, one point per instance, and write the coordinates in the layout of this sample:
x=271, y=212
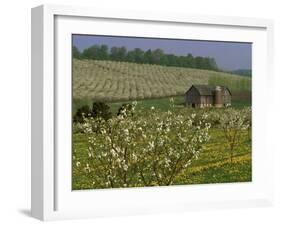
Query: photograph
x=160, y=112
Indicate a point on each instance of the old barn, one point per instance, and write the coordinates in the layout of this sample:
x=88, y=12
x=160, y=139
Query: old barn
x=207, y=96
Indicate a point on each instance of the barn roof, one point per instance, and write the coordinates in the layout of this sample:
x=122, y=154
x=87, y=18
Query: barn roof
x=207, y=90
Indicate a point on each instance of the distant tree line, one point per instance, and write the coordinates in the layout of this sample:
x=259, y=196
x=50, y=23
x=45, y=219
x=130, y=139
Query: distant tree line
x=157, y=56
x=243, y=72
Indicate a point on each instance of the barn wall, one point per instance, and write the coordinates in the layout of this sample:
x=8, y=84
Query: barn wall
x=206, y=101
x=192, y=97
x=210, y=100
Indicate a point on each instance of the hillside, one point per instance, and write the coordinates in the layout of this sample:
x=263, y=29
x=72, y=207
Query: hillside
x=119, y=81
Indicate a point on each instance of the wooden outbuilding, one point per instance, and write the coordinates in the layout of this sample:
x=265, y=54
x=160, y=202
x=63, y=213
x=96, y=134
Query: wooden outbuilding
x=208, y=96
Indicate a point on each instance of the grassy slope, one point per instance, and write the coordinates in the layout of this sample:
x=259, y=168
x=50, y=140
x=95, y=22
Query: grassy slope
x=160, y=103
x=164, y=103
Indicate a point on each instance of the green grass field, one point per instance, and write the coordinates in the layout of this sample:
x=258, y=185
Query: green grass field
x=161, y=103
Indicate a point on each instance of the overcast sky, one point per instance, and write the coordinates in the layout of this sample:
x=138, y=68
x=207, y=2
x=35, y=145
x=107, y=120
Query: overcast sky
x=228, y=55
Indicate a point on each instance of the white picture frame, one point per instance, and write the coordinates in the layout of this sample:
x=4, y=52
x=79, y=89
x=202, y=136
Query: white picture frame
x=52, y=197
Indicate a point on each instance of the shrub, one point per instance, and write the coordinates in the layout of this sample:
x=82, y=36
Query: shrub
x=82, y=113
x=77, y=128
x=141, y=151
x=125, y=110
x=101, y=110
x=233, y=122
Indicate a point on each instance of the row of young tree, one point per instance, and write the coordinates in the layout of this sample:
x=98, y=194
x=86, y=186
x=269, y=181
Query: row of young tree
x=137, y=55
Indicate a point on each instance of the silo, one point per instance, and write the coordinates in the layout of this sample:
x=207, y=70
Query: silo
x=218, y=97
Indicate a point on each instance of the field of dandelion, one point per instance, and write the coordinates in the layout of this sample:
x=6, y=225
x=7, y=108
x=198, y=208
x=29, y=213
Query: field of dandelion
x=213, y=166
x=214, y=163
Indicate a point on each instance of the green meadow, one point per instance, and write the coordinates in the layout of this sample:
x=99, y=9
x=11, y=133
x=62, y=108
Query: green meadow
x=116, y=83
